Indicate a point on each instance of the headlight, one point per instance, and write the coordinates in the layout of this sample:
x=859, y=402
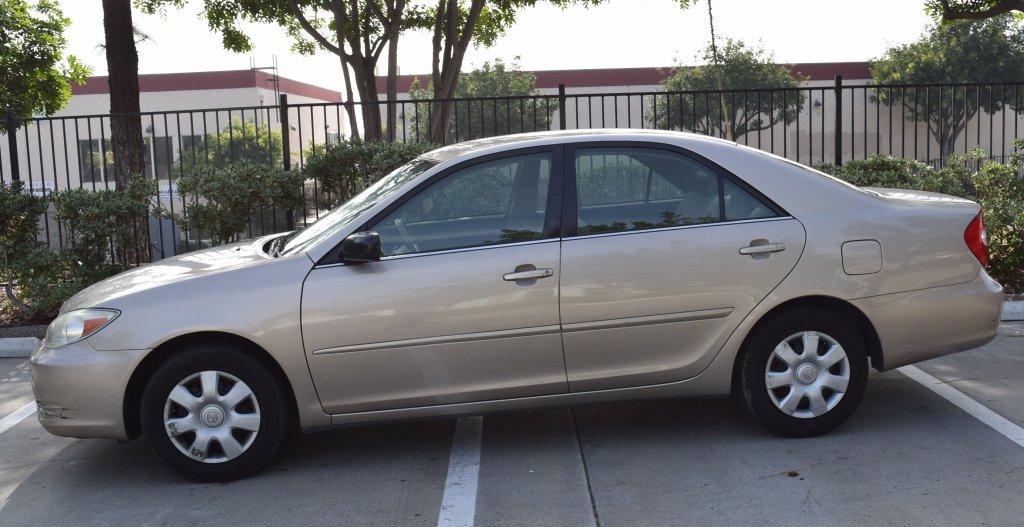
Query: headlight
x=74, y=326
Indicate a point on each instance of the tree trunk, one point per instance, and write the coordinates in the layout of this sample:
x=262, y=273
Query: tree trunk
x=123, y=78
x=447, y=62
x=350, y=107
x=367, y=83
x=394, y=28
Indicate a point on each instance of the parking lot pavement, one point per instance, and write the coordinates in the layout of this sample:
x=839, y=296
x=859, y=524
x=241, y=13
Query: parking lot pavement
x=906, y=457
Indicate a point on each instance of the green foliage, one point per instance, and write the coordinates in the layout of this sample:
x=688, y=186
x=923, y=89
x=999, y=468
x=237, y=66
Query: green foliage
x=952, y=10
x=990, y=51
x=35, y=75
x=220, y=201
x=344, y=169
x=488, y=117
x=731, y=115
x=19, y=217
x=47, y=278
x=882, y=171
x=102, y=233
x=997, y=187
x=1000, y=190
x=94, y=222
x=241, y=141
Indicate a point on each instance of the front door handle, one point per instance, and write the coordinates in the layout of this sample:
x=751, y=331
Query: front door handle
x=532, y=274
x=763, y=249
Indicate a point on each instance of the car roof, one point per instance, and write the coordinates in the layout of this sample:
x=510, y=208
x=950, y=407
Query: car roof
x=504, y=142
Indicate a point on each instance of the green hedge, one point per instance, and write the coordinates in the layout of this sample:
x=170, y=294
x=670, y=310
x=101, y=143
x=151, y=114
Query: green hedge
x=998, y=187
x=103, y=232
x=344, y=169
x=220, y=201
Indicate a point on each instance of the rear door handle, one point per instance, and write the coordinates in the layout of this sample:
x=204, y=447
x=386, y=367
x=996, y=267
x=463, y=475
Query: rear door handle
x=763, y=249
x=532, y=274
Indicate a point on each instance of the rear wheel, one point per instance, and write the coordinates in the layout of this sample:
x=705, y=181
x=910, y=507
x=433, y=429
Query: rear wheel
x=804, y=372
x=213, y=413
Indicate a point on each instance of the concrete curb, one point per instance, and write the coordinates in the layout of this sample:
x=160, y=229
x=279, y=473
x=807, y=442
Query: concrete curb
x=1013, y=310
x=17, y=347
x=22, y=347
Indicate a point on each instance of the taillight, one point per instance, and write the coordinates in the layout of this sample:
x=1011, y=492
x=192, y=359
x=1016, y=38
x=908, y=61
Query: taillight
x=977, y=240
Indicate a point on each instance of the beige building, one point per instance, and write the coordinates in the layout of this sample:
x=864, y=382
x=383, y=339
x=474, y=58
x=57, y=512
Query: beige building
x=180, y=112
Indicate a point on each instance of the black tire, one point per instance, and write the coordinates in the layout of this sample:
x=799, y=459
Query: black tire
x=266, y=388
x=759, y=350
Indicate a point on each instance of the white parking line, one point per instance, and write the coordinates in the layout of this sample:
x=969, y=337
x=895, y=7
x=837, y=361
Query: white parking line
x=17, y=416
x=977, y=410
x=458, y=507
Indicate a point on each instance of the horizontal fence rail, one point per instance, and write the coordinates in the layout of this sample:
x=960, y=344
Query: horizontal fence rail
x=820, y=124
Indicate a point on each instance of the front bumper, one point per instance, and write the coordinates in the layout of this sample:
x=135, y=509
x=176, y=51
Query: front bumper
x=80, y=390
x=928, y=323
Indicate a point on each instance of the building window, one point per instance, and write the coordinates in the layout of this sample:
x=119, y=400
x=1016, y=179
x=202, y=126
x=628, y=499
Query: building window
x=95, y=160
x=159, y=156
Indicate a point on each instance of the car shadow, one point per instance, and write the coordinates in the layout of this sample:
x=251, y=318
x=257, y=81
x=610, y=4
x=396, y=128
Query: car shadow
x=381, y=474
x=703, y=451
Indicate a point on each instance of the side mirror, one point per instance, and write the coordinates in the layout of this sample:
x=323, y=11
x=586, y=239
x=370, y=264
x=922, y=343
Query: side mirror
x=361, y=247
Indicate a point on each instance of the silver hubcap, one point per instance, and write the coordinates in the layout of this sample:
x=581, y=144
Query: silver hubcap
x=807, y=374
x=212, y=416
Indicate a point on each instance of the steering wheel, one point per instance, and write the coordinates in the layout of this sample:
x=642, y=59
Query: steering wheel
x=400, y=225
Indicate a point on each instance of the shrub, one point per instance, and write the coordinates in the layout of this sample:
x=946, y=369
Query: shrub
x=221, y=200
x=239, y=142
x=103, y=232
x=106, y=225
x=47, y=278
x=1001, y=192
x=19, y=225
x=344, y=169
x=997, y=187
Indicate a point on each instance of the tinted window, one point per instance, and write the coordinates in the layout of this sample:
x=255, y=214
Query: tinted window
x=501, y=201
x=622, y=189
x=741, y=205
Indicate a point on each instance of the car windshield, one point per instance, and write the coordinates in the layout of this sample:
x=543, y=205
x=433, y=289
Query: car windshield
x=338, y=218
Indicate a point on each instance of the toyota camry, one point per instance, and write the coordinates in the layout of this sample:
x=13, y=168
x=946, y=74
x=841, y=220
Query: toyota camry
x=525, y=271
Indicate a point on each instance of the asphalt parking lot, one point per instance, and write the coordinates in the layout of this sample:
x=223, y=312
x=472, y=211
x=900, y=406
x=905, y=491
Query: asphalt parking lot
x=908, y=456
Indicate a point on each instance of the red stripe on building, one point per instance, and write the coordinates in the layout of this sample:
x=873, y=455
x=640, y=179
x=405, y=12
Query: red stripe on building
x=816, y=71
x=211, y=80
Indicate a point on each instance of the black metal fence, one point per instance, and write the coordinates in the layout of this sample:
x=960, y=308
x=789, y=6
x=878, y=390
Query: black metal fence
x=830, y=122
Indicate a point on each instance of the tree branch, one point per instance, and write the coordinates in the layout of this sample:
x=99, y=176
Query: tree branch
x=1004, y=6
x=9, y=287
x=313, y=32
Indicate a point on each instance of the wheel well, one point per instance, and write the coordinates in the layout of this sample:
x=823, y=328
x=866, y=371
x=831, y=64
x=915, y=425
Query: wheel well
x=842, y=308
x=149, y=364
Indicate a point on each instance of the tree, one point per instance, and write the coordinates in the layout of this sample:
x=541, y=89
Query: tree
x=455, y=25
x=35, y=74
x=517, y=110
x=239, y=142
x=123, y=79
x=733, y=111
x=989, y=51
x=357, y=31
x=951, y=10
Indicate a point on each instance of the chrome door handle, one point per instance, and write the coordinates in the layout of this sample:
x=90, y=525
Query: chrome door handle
x=529, y=275
x=763, y=249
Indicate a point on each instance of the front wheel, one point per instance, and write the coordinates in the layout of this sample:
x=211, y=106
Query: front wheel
x=804, y=372
x=213, y=413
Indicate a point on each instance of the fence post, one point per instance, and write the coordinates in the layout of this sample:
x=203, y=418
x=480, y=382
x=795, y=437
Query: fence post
x=12, y=142
x=839, y=121
x=286, y=153
x=561, y=107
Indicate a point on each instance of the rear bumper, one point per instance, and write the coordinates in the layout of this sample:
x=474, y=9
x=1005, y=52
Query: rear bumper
x=928, y=323
x=80, y=390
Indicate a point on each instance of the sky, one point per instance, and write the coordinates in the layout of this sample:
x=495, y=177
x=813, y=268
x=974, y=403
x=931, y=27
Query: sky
x=621, y=33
